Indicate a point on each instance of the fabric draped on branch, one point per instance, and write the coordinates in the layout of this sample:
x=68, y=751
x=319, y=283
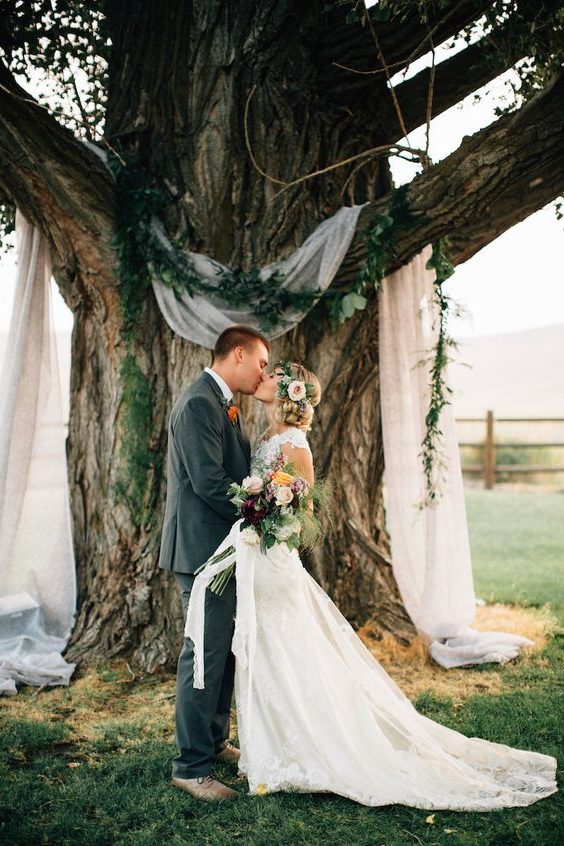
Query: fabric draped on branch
x=430, y=548
x=37, y=573
x=310, y=268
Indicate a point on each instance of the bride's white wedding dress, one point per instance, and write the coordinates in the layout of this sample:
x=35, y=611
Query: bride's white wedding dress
x=317, y=713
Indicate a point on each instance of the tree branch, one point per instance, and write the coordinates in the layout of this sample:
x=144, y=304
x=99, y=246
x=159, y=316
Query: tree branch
x=455, y=78
x=496, y=178
x=413, y=39
x=46, y=172
x=352, y=45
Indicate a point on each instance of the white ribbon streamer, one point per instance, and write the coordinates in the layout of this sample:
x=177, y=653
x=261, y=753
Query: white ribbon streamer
x=245, y=634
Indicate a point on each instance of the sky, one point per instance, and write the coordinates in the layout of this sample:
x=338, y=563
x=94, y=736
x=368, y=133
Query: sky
x=515, y=283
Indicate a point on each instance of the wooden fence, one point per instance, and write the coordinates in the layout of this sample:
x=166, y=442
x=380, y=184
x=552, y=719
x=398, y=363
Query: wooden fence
x=488, y=467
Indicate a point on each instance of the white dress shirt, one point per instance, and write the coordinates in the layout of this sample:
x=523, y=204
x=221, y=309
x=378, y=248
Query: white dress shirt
x=225, y=389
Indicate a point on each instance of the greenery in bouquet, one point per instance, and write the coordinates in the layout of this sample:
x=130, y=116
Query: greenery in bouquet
x=276, y=505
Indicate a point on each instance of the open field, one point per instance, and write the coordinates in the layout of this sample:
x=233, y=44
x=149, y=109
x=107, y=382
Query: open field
x=516, y=374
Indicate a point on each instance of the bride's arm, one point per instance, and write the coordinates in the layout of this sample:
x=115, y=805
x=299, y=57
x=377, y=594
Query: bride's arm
x=301, y=460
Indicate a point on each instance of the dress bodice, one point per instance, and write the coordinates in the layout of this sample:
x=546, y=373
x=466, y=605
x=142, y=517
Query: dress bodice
x=267, y=450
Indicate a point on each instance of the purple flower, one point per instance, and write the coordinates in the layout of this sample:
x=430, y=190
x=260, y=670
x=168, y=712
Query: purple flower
x=251, y=513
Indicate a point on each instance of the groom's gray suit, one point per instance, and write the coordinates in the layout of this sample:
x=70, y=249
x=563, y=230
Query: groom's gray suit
x=206, y=452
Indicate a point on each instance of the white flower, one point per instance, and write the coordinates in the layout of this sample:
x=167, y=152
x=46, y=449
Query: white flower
x=249, y=536
x=283, y=495
x=252, y=484
x=283, y=532
x=296, y=390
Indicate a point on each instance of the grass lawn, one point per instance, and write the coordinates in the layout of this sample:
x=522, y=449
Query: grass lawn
x=517, y=540
x=90, y=764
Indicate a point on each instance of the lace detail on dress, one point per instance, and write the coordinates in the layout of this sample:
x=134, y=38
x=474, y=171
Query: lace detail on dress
x=268, y=450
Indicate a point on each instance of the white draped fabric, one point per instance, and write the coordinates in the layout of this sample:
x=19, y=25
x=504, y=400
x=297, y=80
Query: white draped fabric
x=37, y=574
x=245, y=635
x=430, y=548
x=312, y=267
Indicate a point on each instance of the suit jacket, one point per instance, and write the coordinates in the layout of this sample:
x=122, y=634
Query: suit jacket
x=206, y=453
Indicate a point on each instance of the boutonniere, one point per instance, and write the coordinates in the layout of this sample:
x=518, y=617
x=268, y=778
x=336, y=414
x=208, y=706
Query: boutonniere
x=231, y=409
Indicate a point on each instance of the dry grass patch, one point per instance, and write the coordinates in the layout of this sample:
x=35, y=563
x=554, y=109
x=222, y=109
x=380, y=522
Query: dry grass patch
x=101, y=700
x=414, y=671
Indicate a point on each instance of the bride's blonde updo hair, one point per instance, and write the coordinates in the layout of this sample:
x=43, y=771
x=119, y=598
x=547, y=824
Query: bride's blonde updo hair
x=296, y=413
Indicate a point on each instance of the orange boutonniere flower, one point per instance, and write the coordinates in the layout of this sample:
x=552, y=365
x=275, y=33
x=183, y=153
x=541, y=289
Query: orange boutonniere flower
x=233, y=413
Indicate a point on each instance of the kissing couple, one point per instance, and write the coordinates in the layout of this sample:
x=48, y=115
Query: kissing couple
x=315, y=710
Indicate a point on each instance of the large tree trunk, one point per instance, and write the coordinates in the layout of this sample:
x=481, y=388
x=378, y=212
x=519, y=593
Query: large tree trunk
x=128, y=607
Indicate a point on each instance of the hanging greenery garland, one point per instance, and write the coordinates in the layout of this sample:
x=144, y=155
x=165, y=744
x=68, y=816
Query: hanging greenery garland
x=140, y=463
x=433, y=462
x=139, y=466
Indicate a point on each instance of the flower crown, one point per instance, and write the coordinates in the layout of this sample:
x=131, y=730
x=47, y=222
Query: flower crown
x=293, y=389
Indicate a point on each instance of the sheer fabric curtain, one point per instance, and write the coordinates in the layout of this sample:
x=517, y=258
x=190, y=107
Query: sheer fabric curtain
x=430, y=548
x=37, y=573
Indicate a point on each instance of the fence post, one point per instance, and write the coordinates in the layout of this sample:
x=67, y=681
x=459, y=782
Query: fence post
x=489, y=453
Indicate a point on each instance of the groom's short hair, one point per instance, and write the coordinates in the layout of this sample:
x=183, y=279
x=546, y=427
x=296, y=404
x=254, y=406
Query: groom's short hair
x=237, y=336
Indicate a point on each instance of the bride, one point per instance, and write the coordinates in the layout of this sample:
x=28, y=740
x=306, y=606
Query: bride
x=316, y=711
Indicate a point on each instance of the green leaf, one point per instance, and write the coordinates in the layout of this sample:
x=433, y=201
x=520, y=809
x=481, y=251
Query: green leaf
x=351, y=303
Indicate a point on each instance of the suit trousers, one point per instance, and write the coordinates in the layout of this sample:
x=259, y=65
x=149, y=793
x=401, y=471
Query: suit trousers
x=202, y=716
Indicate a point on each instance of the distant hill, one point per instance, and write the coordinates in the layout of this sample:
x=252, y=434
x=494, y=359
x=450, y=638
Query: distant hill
x=518, y=374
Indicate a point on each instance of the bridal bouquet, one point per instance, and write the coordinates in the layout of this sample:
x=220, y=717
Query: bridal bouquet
x=276, y=506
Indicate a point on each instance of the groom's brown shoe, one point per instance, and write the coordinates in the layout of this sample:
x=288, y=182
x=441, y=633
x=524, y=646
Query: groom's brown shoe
x=228, y=753
x=206, y=788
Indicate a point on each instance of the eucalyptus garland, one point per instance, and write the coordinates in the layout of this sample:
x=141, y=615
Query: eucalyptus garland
x=433, y=462
x=145, y=253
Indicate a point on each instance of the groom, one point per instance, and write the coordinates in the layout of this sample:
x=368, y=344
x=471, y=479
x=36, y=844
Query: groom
x=208, y=449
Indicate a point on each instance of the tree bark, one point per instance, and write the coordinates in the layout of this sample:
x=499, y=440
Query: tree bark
x=179, y=89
